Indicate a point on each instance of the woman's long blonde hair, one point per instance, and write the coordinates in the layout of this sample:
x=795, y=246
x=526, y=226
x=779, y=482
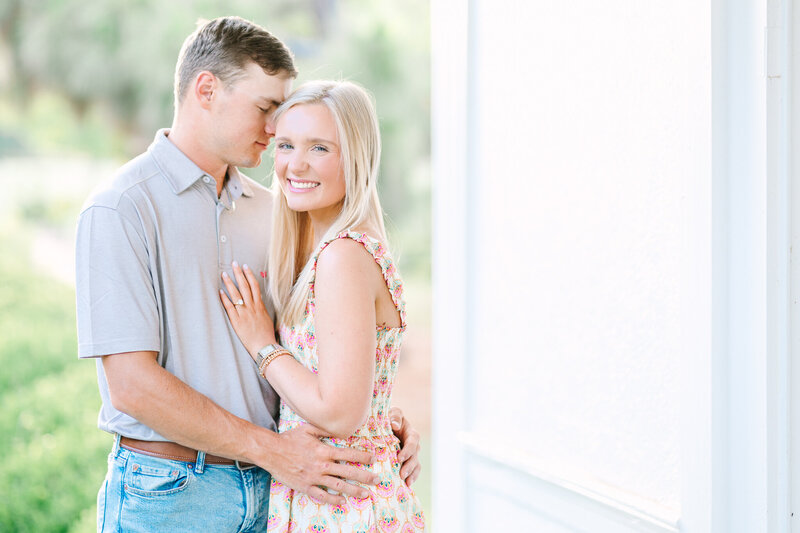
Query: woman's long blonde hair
x=292, y=239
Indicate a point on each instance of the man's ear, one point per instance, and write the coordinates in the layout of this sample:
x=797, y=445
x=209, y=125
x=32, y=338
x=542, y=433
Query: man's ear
x=205, y=85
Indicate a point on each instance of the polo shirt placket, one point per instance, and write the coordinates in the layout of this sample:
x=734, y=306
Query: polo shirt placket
x=225, y=205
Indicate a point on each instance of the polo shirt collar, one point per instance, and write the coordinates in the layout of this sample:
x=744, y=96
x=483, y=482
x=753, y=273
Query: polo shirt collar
x=237, y=185
x=181, y=172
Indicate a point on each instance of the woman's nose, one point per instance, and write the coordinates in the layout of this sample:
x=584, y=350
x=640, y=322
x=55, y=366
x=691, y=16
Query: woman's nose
x=297, y=163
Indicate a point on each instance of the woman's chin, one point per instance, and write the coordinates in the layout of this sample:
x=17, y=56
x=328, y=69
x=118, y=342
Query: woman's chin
x=299, y=207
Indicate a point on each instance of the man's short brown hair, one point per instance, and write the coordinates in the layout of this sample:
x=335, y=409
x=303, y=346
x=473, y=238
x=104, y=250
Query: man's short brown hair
x=224, y=46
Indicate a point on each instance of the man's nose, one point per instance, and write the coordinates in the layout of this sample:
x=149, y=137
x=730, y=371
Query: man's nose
x=269, y=127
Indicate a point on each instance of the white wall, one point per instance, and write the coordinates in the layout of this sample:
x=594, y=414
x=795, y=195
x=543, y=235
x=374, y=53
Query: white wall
x=793, y=75
x=604, y=306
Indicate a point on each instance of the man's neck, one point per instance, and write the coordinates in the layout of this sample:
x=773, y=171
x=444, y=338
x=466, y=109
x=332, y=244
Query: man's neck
x=192, y=148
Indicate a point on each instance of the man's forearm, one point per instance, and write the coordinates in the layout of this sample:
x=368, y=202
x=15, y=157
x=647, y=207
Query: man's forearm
x=142, y=389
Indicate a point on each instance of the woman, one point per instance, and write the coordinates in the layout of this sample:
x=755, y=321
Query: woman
x=339, y=304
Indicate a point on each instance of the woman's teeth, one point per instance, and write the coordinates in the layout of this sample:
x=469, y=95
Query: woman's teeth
x=303, y=184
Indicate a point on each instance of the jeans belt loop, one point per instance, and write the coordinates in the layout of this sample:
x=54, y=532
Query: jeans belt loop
x=201, y=462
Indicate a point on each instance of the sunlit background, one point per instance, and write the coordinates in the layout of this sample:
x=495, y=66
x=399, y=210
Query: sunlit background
x=83, y=88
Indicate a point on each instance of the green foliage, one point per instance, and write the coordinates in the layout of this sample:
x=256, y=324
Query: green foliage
x=48, y=213
x=54, y=466
x=38, y=335
x=87, y=522
x=52, y=462
x=49, y=124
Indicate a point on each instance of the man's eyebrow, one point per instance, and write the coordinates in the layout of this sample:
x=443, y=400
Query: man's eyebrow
x=270, y=101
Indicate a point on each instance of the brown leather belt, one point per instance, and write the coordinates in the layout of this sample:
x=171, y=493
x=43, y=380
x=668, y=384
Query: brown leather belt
x=173, y=451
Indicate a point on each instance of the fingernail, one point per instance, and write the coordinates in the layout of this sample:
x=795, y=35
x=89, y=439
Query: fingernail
x=376, y=480
x=235, y=264
x=224, y=274
x=244, y=266
x=263, y=274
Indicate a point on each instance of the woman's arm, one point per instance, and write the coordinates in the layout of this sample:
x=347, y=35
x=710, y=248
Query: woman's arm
x=336, y=399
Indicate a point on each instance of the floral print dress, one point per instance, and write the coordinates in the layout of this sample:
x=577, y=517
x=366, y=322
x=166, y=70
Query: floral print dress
x=391, y=506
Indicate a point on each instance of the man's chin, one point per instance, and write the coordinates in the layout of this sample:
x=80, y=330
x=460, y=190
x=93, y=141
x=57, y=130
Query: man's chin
x=250, y=162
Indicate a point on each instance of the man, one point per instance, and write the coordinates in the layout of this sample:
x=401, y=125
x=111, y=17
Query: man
x=173, y=376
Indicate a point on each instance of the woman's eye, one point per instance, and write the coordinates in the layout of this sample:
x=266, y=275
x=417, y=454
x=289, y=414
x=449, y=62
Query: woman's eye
x=263, y=110
x=284, y=146
x=319, y=148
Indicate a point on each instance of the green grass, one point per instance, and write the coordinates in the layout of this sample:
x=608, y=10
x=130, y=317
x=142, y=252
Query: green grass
x=53, y=459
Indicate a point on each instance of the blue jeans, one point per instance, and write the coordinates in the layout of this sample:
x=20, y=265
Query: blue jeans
x=149, y=494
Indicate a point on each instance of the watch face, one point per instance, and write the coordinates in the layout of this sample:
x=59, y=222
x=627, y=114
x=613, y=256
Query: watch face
x=268, y=349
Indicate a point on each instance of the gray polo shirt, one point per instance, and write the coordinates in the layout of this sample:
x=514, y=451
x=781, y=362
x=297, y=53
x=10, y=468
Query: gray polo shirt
x=151, y=245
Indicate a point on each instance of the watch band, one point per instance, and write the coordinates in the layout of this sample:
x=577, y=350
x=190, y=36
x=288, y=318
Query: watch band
x=267, y=355
x=265, y=352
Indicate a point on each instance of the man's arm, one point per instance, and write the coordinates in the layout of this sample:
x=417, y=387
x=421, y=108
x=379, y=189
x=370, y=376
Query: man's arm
x=142, y=389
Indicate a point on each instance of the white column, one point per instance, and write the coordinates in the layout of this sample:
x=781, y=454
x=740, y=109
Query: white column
x=452, y=180
x=777, y=72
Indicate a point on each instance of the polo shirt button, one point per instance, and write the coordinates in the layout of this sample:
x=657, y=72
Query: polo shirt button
x=206, y=179
x=223, y=239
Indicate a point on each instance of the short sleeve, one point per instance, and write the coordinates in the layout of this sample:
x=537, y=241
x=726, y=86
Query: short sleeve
x=117, y=309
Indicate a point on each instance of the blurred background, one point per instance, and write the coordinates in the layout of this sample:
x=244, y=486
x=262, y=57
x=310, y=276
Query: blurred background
x=83, y=89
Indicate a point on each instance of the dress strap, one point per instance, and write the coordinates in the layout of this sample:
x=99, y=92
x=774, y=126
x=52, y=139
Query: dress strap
x=381, y=255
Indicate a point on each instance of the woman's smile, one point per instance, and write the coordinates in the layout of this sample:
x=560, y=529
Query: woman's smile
x=301, y=185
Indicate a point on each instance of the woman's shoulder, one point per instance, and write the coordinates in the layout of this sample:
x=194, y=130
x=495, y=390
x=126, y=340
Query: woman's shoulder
x=352, y=250
x=345, y=252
